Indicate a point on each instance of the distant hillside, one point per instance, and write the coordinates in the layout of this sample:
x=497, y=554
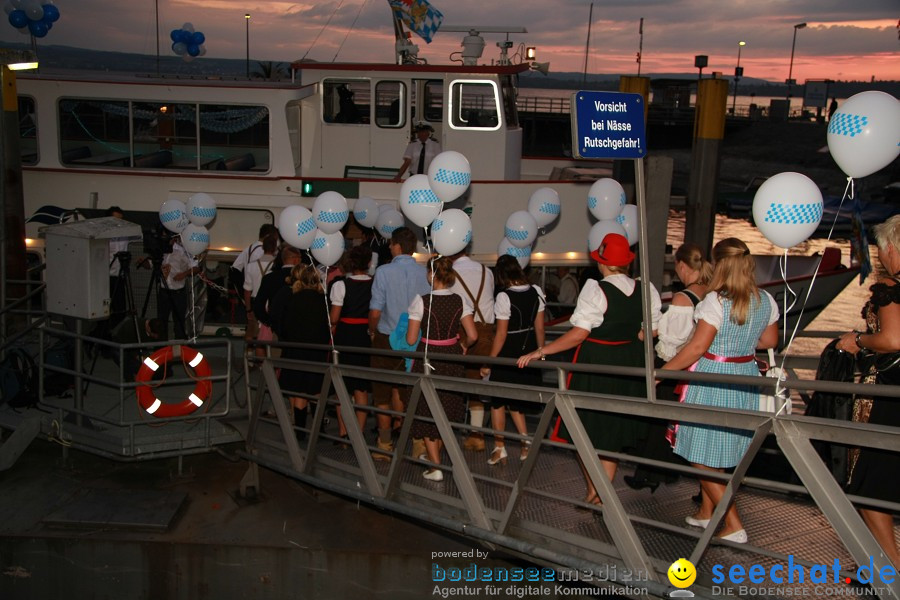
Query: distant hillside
x=54, y=57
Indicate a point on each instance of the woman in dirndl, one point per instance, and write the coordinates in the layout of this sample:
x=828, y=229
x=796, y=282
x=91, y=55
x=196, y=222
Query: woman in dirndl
x=734, y=320
x=519, y=322
x=438, y=317
x=350, y=297
x=606, y=328
x=874, y=471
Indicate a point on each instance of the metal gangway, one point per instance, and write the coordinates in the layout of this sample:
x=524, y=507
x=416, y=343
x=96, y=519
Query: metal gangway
x=534, y=507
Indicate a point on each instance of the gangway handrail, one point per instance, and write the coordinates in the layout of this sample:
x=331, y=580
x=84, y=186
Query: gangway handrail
x=793, y=433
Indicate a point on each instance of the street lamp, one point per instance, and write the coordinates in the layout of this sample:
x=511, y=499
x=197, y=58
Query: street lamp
x=738, y=73
x=247, y=19
x=700, y=61
x=790, y=80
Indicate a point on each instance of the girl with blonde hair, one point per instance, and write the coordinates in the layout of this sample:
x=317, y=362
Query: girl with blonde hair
x=734, y=320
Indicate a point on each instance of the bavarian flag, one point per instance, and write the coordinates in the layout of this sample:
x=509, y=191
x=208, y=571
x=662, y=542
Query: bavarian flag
x=419, y=16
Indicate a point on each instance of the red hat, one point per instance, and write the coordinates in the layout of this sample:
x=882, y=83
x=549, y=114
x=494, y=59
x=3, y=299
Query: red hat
x=613, y=251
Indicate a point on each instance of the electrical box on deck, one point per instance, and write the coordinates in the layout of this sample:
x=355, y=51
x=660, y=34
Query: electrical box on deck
x=78, y=261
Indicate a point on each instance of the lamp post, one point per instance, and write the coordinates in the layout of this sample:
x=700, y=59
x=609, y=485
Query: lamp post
x=247, y=19
x=790, y=80
x=738, y=73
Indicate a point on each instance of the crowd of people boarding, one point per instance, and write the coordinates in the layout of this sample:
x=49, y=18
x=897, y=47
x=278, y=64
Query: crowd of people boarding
x=453, y=305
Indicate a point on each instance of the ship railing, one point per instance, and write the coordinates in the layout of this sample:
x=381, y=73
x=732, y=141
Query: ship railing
x=543, y=104
x=510, y=509
x=22, y=314
x=98, y=411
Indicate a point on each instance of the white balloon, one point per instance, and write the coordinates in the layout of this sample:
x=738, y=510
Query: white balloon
x=330, y=212
x=451, y=231
x=173, y=215
x=179, y=48
x=629, y=222
x=188, y=27
x=544, y=206
x=787, y=208
x=606, y=198
x=297, y=227
x=388, y=221
x=365, y=211
x=523, y=255
x=327, y=248
x=201, y=209
x=33, y=9
x=195, y=239
x=418, y=202
x=864, y=133
x=202, y=50
x=599, y=231
x=449, y=175
x=520, y=229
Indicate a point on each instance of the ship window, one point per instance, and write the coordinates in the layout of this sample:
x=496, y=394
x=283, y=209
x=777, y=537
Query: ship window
x=474, y=105
x=346, y=101
x=390, y=104
x=160, y=135
x=28, y=149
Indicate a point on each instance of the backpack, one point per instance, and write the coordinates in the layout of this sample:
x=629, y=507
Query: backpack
x=18, y=379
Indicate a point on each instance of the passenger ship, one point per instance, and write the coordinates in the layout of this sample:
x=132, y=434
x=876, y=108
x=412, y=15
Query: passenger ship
x=96, y=140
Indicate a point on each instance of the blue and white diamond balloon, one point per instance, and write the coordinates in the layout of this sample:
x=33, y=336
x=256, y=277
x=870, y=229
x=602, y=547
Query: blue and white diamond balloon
x=787, y=208
x=201, y=209
x=418, y=201
x=330, y=212
x=449, y=175
x=864, y=133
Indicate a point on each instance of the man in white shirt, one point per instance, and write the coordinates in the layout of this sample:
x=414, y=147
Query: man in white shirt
x=420, y=152
x=249, y=254
x=475, y=285
x=177, y=266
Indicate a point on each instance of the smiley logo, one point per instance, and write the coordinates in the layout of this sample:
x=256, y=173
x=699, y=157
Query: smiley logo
x=682, y=573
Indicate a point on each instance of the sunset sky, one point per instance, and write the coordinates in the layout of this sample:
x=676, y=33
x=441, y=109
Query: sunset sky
x=843, y=40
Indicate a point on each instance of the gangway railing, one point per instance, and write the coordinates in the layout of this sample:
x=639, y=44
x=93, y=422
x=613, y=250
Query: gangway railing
x=507, y=507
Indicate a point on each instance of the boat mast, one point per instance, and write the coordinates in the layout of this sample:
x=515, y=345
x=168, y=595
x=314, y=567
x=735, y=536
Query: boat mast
x=587, y=45
x=406, y=51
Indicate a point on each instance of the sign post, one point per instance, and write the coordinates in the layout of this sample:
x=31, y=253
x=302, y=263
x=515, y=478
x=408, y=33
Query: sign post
x=612, y=125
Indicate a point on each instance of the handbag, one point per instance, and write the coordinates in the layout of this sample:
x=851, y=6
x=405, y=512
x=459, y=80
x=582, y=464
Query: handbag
x=868, y=361
x=780, y=402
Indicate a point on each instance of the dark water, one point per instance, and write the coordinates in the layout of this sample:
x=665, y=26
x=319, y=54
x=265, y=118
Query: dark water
x=843, y=314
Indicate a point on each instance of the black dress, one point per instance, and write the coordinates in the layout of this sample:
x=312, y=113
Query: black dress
x=304, y=319
x=353, y=328
x=614, y=342
x=520, y=339
x=444, y=312
x=876, y=472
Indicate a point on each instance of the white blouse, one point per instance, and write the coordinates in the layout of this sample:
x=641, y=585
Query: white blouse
x=592, y=303
x=711, y=310
x=339, y=289
x=502, y=307
x=417, y=306
x=675, y=329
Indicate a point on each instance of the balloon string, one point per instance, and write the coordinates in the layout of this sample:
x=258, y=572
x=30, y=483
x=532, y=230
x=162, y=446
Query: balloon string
x=848, y=194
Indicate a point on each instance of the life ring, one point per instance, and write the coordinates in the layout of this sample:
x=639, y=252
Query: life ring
x=153, y=405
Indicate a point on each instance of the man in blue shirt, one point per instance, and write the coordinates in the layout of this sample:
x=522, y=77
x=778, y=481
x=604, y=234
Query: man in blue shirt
x=394, y=287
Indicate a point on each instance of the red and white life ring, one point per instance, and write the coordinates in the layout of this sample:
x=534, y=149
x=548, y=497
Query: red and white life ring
x=147, y=397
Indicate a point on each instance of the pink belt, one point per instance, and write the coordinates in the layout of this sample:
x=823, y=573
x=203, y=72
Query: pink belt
x=447, y=342
x=729, y=359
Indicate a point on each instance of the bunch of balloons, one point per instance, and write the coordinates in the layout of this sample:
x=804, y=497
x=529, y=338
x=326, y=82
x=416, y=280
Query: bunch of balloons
x=187, y=43
x=190, y=220
x=607, y=202
x=319, y=230
x=422, y=199
x=522, y=226
x=32, y=16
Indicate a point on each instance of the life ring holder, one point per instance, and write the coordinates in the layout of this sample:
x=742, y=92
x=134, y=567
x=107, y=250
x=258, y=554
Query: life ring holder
x=146, y=395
